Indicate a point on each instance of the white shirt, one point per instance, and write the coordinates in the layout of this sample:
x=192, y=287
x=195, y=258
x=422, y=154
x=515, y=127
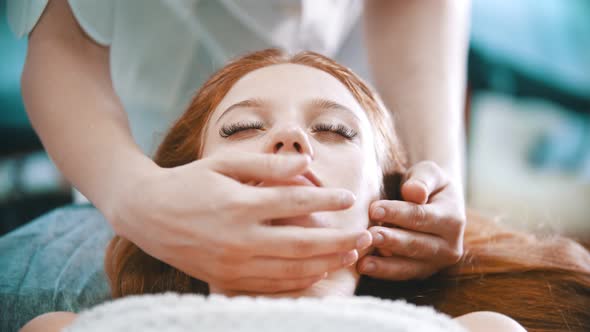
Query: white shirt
x=161, y=51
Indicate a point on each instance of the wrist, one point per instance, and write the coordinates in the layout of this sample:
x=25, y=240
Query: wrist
x=130, y=183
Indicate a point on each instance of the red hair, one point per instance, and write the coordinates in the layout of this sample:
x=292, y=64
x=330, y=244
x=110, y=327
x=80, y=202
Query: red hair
x=542, y=283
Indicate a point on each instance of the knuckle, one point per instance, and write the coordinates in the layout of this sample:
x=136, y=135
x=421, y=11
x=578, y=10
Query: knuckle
x=418, y=214
x=297, y=198
x=239, y=204
x=430, y=166
x=301, y=248
x=455, y=223
x=390, y=213
x=223, y=272
x=226, y=249
x=294, y=269
x=229, y=252
x=455, y=255
x=225, y=258
x=413, y=248
x=451, y=256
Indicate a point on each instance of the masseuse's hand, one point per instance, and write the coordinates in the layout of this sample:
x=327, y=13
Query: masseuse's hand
x=421, y=235
x=202, y=219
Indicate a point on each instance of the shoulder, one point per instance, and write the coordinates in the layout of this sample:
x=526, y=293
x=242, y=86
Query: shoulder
x=484, y=321
x=52, y=321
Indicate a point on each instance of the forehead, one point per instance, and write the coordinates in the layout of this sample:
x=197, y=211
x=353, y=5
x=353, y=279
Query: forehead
x=291, y=84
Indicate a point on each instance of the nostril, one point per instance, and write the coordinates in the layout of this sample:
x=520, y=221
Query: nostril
x=278, y=146
x=297, y=147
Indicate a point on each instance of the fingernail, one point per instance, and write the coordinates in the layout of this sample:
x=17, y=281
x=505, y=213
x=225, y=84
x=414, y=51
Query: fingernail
x=378, y=213
x=349, y=258
x=364, y=241
x=369, y=267
x=347, y=198
x=378, y=239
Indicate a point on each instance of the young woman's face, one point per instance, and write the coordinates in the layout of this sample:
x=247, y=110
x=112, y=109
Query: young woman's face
x=290, y=108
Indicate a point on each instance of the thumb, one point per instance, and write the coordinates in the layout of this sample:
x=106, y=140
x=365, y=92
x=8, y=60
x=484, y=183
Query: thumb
x=246, y=167
x=425, y=178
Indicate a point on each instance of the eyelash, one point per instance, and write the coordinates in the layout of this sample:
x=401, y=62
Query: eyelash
x=228, y=130
x=337, y=129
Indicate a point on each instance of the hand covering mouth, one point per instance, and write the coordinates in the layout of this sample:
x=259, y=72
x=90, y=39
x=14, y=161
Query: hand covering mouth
x=309, y=179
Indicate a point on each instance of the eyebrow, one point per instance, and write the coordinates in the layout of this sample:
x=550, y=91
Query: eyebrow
x=326, y=104
x=251, y=103
x=315, y=103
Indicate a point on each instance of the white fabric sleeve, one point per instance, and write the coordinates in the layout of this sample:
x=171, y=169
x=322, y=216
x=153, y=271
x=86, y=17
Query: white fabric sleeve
x=97, y=18
x=23, y=15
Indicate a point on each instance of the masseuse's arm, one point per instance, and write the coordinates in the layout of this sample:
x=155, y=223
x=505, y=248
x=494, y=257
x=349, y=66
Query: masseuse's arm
x=181, y=215
x=417, y=51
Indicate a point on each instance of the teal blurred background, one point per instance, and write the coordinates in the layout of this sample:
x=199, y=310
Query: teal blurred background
x=528, y=120
x=29, y=183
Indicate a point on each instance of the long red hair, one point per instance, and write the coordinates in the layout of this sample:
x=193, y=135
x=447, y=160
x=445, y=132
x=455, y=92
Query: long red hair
x=543, y=283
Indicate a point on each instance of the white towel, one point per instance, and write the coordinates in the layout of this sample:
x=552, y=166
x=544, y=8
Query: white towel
x=180, y=313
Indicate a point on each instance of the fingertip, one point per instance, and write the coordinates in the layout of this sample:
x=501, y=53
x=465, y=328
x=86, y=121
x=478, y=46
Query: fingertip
x=378, y=238
x=377, y=213
x=360, y=263
x=347, y=198
x=302, y=159
x=368, y=266
x=364, y=240
x=415, y=192
x=296, y=163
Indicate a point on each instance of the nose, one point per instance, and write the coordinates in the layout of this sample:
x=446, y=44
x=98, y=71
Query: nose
x=290, y=140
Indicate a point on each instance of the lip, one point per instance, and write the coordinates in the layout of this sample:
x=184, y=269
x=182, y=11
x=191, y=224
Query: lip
x=312, y=177
x=308, y=178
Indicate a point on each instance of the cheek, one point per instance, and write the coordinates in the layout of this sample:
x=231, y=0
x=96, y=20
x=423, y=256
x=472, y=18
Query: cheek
x=339, y=167
x=349, y=169
x=218, y=145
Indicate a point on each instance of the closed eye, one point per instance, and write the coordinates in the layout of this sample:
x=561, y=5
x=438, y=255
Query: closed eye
x=231, y=129
x=339, y=129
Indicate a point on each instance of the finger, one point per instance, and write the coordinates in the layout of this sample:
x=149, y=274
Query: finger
x=298, y=242
x=269, y=285
x=394, y=268
x=416, y=217
x=291, y=201
x=408, y=243
x=424, y=179
x=383, y=252
x=260, y=166
x=276, y=268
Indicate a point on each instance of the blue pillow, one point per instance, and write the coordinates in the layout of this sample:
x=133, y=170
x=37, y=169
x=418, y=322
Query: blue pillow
x=54, y=263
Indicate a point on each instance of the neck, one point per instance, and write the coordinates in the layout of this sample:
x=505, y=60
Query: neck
x=338, y=283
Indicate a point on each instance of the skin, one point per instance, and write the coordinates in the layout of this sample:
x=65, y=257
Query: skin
x=289, y=127
x=86, y=133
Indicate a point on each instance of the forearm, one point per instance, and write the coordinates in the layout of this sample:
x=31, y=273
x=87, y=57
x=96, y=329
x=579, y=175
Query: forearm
x=70, y=101
x=418, y=52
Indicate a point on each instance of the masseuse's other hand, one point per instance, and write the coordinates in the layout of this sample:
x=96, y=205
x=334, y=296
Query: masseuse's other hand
x=202, y=219
x=421, y=235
